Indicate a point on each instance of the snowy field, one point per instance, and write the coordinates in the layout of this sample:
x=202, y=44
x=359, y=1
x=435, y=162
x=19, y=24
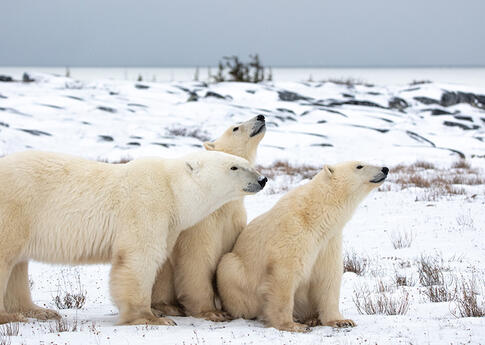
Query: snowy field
x=416, y=244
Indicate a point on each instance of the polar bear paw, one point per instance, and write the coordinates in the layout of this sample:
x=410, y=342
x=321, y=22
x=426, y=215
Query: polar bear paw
x=12, y=317
x=167, y=309
x=42, y=314
x=293, y=327
x=341, y=323
x=215, y=315
x=159, y=321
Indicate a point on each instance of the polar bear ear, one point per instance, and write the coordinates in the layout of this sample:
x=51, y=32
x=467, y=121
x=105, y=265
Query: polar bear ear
x=209, y=146
x=328, y=170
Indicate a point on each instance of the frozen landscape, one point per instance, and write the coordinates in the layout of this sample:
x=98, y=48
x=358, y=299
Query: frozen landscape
x=414, y=248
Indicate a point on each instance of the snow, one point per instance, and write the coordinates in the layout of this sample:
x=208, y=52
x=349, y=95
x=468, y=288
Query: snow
x=64, y=115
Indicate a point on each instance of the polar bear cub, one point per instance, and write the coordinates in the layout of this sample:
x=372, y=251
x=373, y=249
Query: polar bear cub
x=287, y=263
x=187, y=277
x=61, y=209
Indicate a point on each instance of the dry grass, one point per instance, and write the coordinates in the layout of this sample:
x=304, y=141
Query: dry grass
x=196, y=133
x=69, y=297
x=466, y=300
x=401, y=239
x=381, y=302
x=62, y=325
x=436, y=183
x=430, y=271
x=281, y=168
x=10, y=329
x=402, y=279
x=354, y=263
x=439, y=293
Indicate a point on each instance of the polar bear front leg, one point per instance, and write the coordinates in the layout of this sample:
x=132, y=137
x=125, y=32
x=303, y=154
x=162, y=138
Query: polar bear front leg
x=279, y=295
x=132, y=276
x=325, y=285
x=18, y=298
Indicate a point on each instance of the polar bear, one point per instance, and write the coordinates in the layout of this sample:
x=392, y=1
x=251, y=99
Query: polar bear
x=60, y=209
x=187, y=277
x=287, y=263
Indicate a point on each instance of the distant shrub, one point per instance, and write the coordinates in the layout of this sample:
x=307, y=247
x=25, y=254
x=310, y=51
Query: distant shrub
x=231, y=68
x=401, y=239
x=67, y=296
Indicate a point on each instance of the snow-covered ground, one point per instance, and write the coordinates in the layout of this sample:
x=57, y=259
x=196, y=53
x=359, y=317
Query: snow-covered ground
x=308, y=124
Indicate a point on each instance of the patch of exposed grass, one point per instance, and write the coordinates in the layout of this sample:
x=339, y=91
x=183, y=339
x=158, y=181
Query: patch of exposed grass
x=196, y=133
x=354, y=263
x=382, y=301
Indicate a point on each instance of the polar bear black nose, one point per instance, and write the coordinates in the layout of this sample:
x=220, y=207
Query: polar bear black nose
x=260, y=118
x=385, y=170
x=262, y=181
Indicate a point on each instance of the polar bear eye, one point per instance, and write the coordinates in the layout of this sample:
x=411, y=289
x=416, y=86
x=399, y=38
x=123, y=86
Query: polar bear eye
x=235, y=129
x=359, y=166
x=233, y=168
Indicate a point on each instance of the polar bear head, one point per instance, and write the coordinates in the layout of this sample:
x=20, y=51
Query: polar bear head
x=355, y=178
x=224, y=174
x=241, y=139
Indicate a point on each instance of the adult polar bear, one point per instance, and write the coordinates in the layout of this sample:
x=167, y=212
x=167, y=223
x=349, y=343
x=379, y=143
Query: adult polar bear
x=287, y=263
x=61, y=209
x=187, y=277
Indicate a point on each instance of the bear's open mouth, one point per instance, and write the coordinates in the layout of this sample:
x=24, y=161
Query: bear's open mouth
x=378, y=178
x=258, y=127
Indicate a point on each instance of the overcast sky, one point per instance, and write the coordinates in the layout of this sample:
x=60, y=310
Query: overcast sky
x=157, y=33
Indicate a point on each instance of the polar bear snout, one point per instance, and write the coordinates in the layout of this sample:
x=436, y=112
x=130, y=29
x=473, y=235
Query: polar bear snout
x=262, y=181
x=381, y=176
x=258, y=185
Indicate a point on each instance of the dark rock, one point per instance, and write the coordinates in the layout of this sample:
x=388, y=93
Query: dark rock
x=113, y=93
x=483, y=119
x=420, y=138
x=373, y=93
x=380, y=130
x=35, y=132
x=306, y=112
x=52, y=106
x=86, y=123
x=426, y=100
x=193, y=97
x=284, y=110
x=141, y=86
x=163, y=144
x=464, y=118
x=348, y=95
x=357, y=102
x=135, y=137
x=322, y=121
x=74, y=97
x=386, y=120
x=322, y=145
x=251, y=91
x=26, y=78
x=437, y=112
x=6, y=78
x=460, y=125
x=133, y=143
x=107, y=109
x=397, y=103
x=105, y=137
x=2, y=96
x=289, y=96
x=3, y=124
x=137, y=105
x=449, y=98
x=216, y=95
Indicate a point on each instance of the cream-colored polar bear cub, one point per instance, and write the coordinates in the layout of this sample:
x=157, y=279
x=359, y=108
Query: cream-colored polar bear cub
x=287, y=263
x=187, y=277
x=61, y=209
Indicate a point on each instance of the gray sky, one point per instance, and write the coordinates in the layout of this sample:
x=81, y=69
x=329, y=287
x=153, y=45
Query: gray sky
x=337, y=33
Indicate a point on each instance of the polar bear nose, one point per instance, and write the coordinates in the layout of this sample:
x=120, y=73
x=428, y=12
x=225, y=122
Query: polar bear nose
x=385, y=170
x=260, y=118
x=262, y=181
